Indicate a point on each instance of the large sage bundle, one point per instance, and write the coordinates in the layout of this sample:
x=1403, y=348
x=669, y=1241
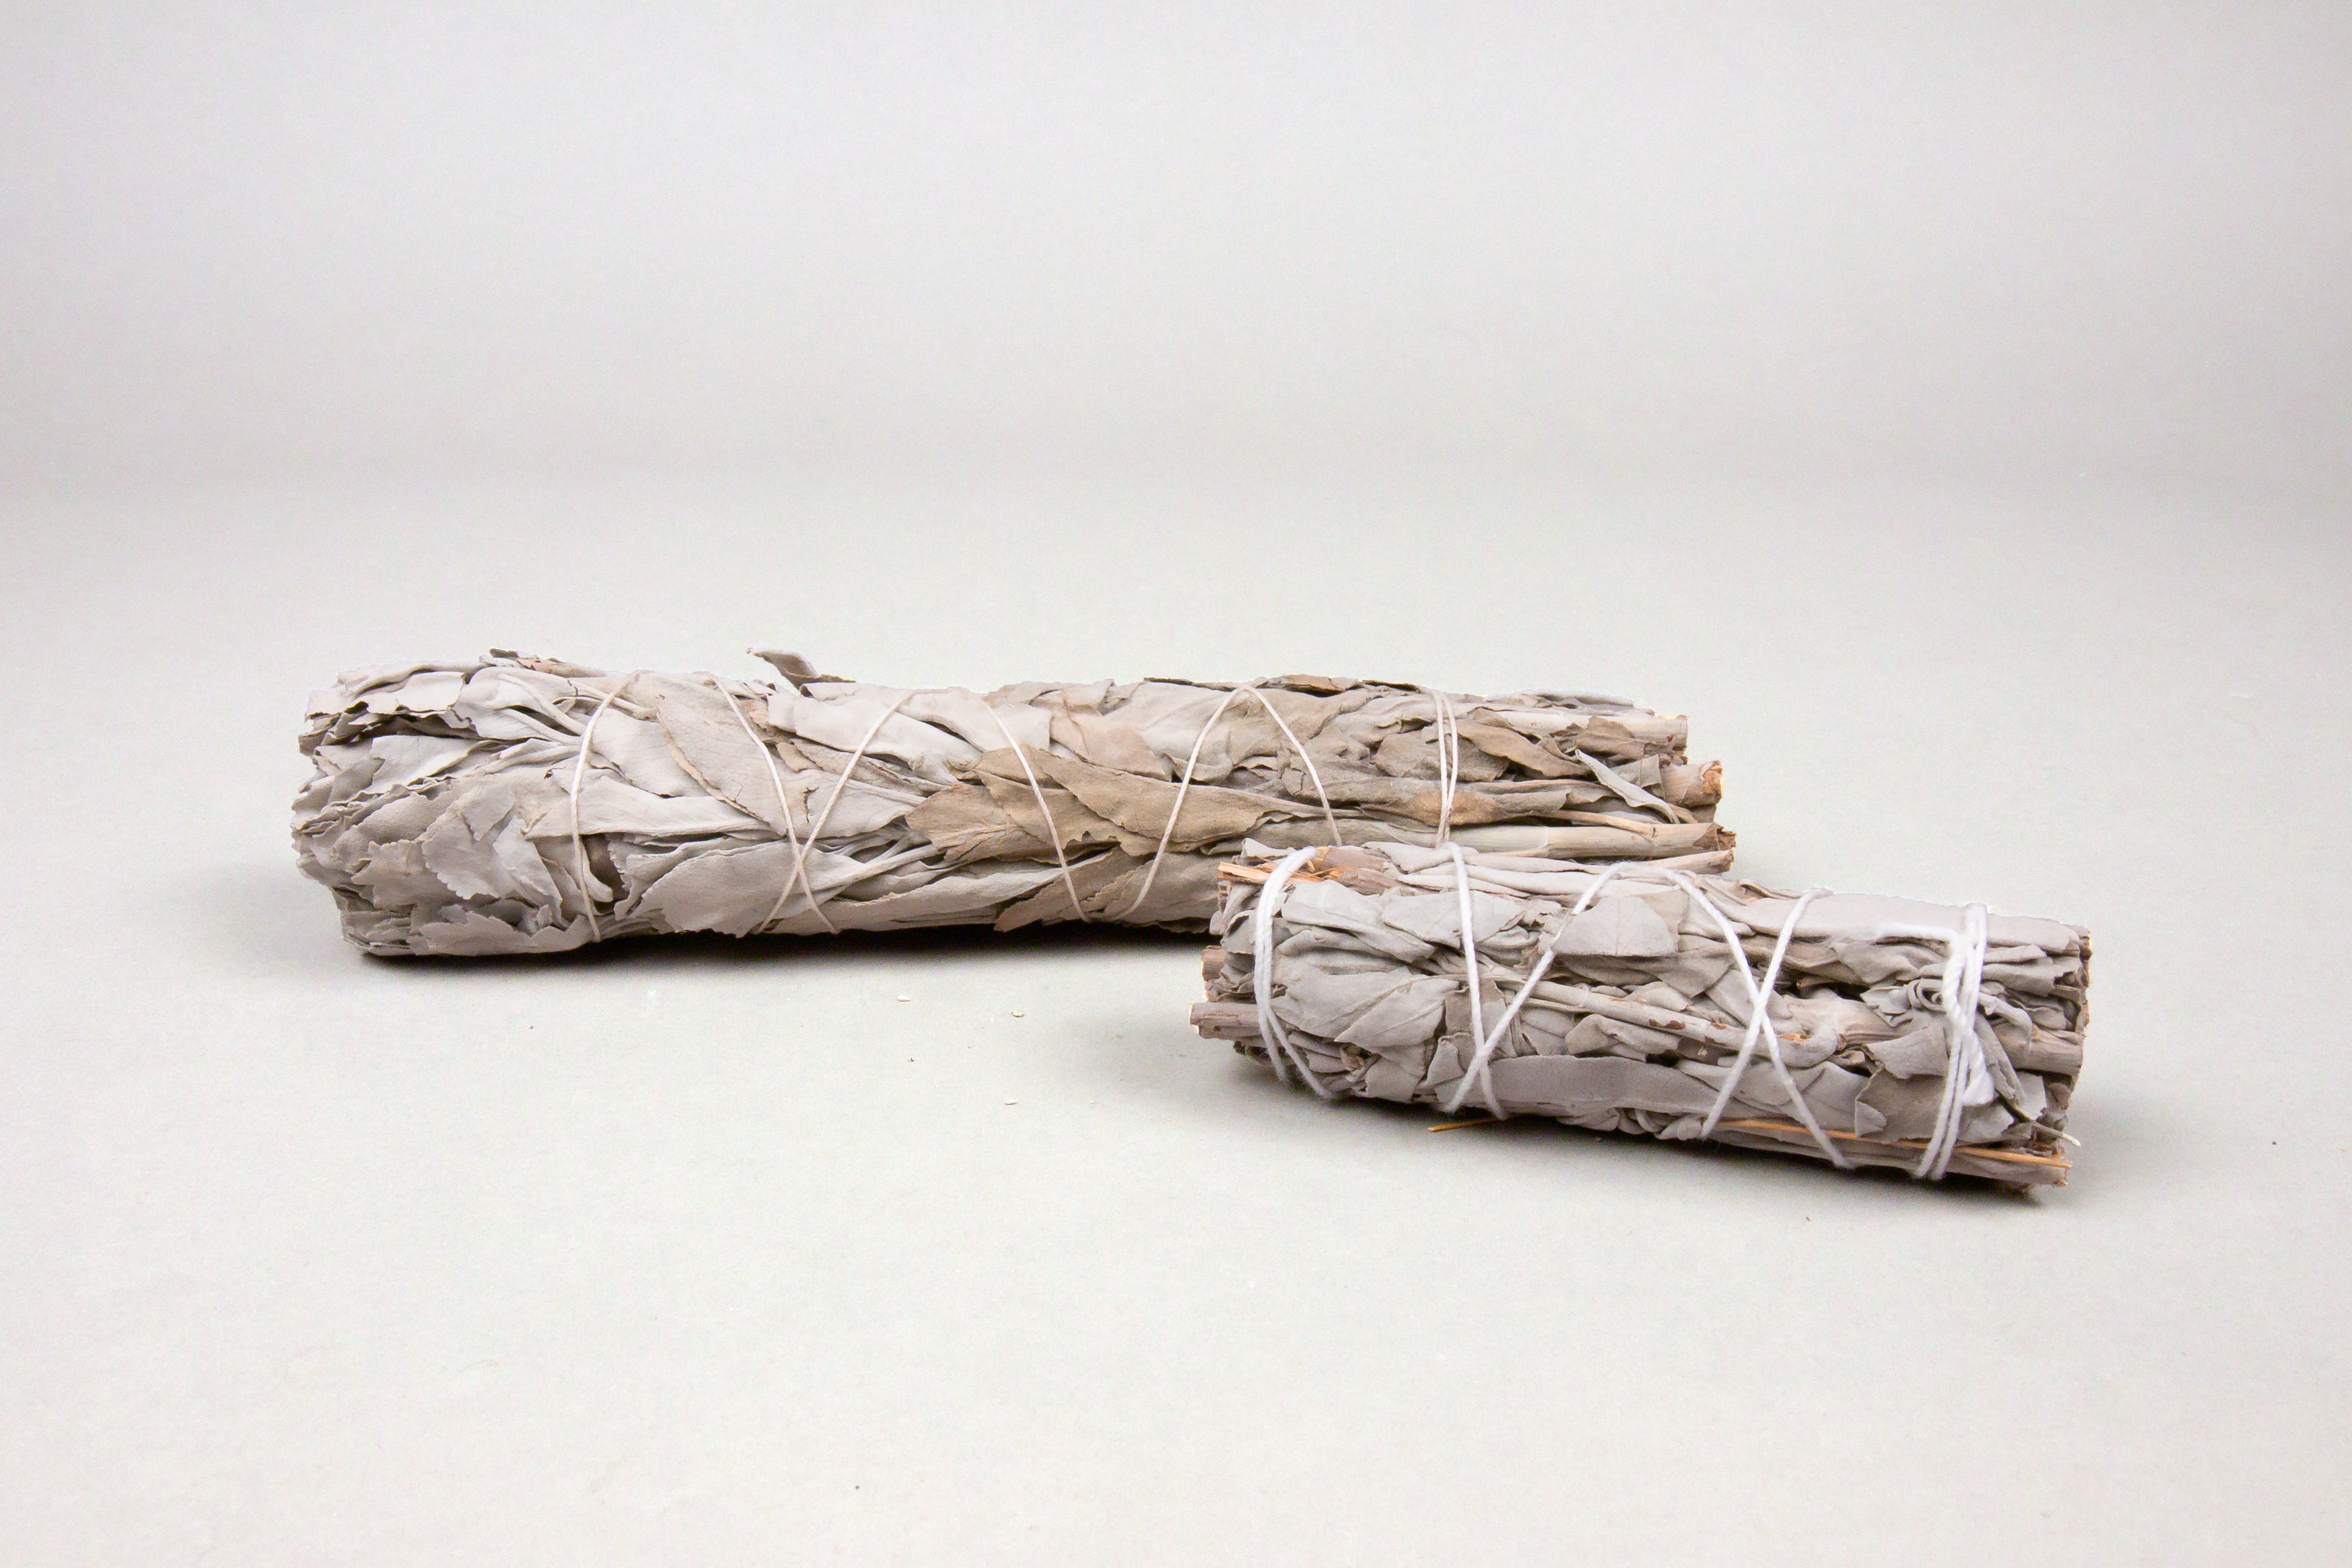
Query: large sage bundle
x=1626, y=999
x=513, y=804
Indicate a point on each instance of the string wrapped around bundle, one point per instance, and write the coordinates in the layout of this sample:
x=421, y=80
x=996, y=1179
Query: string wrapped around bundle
x=1657, y=1000
x=526, y=805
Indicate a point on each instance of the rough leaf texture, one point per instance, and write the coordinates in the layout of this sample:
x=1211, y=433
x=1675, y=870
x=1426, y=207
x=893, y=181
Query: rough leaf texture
x=443, y=814
x=1643, y=1009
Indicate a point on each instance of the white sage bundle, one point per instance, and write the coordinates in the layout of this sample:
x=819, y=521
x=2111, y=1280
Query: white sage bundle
x=1649, y=1000
x=523, y=805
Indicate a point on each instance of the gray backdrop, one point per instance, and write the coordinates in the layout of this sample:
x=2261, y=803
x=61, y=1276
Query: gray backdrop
x=1946, y=405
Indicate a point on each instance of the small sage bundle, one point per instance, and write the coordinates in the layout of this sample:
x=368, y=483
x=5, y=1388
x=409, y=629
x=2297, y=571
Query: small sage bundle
x=1646, y=999
x=525, y=805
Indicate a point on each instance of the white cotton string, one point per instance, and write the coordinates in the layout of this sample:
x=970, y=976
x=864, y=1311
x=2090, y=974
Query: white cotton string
x=816, y=829
x=1965, y=1064
x=1184, y=785
x=1470, y=962
x=1449, y=765
x=579, y=768
x=768, y=756
x=1756, y=1025
x=1052, y=830
x=1330, y=819
x=1758, y=1017
x=1477, y=1070
x=1269, y=1028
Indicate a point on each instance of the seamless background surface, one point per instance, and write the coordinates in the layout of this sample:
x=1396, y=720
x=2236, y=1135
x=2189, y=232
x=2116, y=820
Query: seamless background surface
x=1945, y=405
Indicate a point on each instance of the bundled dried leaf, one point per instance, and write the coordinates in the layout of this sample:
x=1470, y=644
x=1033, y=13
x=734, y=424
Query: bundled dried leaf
x=518, y=804
x=1641, y=1015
